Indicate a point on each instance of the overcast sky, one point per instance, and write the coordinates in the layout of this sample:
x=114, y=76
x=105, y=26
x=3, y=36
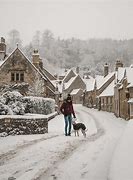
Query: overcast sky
x=68, y=18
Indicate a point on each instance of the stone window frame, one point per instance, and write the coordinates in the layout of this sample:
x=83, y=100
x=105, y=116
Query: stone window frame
x=17, y=76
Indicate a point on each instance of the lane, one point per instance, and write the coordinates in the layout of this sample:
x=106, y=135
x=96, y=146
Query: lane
x=92, y=159
x=32, y=159
x=81, y=158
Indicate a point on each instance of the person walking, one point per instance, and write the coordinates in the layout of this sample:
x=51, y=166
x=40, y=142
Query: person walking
x=67, y=110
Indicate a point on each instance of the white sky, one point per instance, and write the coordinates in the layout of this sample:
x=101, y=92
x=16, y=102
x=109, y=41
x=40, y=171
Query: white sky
x=68, y=18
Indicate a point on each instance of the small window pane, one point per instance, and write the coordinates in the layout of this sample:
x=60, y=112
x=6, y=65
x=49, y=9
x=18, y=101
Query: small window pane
x=12, y=77
x=17, y=76
x=22, y=77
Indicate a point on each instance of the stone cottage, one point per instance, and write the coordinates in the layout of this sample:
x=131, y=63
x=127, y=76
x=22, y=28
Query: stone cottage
x=92, y=97
x=123, y=92
x=17, y=69
x=73, y=84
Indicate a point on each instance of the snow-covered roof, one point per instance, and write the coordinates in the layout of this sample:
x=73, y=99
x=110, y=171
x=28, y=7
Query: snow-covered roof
x=69, y=82
x=90, y=83
x=120, y=73
x=130, y=100
x=75, y=91
x=67, y=73
x=109, y=91
x=101, y=80
x=130, y=85
x=125, y=71
x=26, y=59
x=129, y=74
x=121, y=86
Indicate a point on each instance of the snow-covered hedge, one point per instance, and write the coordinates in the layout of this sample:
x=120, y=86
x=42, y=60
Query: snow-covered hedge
x=14, y=103
x=39, y=105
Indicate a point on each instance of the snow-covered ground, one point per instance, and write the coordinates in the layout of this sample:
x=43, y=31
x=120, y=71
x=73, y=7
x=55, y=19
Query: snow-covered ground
x=99, y=156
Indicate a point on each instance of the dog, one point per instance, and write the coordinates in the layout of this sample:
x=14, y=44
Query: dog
x=79, y=126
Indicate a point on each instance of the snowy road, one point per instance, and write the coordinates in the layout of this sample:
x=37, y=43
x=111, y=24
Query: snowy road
x=55, y=156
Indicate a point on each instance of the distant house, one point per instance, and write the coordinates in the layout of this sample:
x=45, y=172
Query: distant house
x=106, y=98
x=92, y=97
x=72, y=84
x=17, y=69
x=89, y=96
x=124, y=92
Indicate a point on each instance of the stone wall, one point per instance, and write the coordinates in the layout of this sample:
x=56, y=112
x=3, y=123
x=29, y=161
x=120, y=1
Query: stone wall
x=23, y=125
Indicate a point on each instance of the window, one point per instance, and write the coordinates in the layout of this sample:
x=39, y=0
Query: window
x=12, y=77
x=17, y=76
x=22, y=77
x=111, y=100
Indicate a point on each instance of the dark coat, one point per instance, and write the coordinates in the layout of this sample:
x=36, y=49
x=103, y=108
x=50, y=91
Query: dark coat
x=67, y=108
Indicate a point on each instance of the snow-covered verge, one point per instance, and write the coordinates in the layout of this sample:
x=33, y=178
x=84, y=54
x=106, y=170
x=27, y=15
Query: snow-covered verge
x=55, y=156
x=122, y=162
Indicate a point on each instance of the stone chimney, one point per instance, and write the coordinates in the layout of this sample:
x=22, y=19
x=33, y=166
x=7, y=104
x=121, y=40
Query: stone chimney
x=106, y=69
x=2, y=49
x=36, y=59
x=118, y=64
x=77, y=70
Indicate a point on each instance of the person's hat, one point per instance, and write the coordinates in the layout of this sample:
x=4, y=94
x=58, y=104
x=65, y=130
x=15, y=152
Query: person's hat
x=69, y=98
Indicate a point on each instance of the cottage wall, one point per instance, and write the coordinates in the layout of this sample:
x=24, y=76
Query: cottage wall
x=116, y=101
x=89, y=99
x=123, y=101
x=17, y=63
x=107, y=103
x=77, y=98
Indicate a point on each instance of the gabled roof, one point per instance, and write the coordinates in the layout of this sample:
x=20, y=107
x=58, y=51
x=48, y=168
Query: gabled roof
x=67, y=85
x=48, y=74
x=125, y=72
x=68, y=73
x=47, y=77
x=109, y=91
x=71, y=81
x=17, y=49
x=75, y=91
x=120, y=73
x=101, y=80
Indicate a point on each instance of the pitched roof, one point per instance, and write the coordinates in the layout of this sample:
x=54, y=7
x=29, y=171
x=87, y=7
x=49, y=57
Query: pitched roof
x=4, y=62
x=109, y=91
x=125, y=72
x=67, y=85
x=101, y=80
x=75, y=91
x=67, y=74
